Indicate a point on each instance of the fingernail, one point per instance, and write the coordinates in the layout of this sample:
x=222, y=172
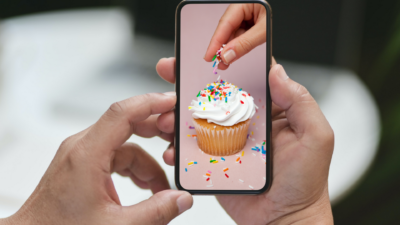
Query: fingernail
x=171, y=93
x=184, y=202
x=229, y=56
x=282, y=73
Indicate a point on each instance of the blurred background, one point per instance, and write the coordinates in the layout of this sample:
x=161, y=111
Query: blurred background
x=62, y=63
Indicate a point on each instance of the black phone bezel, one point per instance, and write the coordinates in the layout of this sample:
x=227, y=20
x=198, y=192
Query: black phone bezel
x=268, y=126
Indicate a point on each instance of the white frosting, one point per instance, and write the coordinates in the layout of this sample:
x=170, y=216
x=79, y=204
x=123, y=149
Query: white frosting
x=225, y=109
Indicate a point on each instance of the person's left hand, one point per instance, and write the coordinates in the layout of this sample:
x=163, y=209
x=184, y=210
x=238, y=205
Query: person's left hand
x=77, y=187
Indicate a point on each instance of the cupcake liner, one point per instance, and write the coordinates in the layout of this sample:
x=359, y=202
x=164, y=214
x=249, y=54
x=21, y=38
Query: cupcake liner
x=228, y=141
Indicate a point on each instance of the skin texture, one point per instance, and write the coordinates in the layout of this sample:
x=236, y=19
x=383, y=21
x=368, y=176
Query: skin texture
x=77, y=187
x=302, y=147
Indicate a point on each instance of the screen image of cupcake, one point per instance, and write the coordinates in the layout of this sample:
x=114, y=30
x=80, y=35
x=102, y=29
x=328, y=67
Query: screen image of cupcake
x=221, y=117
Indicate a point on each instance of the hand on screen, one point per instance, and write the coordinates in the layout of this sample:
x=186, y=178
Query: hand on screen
x=242, y=28
x=302, y=147
x=77, y=187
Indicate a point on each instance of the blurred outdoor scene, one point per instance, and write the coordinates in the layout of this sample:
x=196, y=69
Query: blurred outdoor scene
x=62, y=63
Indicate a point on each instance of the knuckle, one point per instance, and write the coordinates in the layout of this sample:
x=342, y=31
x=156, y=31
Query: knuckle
x=66, y=143
x=117, y=108
x=302, y=93
x=245, y=44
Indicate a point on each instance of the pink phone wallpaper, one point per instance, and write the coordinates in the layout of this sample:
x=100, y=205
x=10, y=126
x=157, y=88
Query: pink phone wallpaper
x=223, y=113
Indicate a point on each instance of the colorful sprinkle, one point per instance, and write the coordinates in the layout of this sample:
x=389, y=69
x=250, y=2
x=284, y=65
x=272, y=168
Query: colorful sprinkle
x=237, y=159
x=190, y=127
x=209, y=171
x=209, y=98
x=215, y=161
x=190, y=163
x=227, y=175
x=258, y=117
x=223, y=159
x=185, y=169
x=242, y=153
x=241, y=102
x=208, y=179
x=207, y=174
x=189, y=135
x=215, y=63
x=194, y=135
x=254, y=124
x=215, y=56
x=226, y=169
x=195, y=162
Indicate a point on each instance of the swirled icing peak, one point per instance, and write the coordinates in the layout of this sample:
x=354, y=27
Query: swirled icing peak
x=223, y=103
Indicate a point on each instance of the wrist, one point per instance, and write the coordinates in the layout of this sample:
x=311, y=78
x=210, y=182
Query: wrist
x=319, y=212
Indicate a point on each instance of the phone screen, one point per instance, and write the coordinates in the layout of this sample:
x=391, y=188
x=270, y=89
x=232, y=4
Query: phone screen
x=223, y=111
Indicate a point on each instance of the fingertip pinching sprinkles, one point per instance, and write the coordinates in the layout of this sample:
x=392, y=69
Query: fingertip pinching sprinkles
x=217, y=59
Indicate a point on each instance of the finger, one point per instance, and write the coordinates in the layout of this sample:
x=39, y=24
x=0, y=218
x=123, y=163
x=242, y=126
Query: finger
x=144, y=169
x=169, y=155
x=150, y=128
x=273, y=62
x=165, y=122
x=166, y=69
x=120, y=122
x=246, y=42
x=276, y=110
x=228, y=24
x=159, y=209
x=240, y=31
x=302, y=111
x=137, y=181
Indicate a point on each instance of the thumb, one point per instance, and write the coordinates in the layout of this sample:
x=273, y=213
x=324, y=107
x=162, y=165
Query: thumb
x=245, y=42
x=161, y=208
x=302, y=111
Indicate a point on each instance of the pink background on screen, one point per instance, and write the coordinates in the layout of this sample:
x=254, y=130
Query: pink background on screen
x=198, y=23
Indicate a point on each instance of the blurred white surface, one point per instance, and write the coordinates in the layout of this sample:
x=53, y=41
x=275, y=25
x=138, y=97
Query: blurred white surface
x=61, y=71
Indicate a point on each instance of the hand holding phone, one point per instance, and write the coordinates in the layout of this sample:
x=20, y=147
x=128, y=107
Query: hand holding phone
x=302, y=145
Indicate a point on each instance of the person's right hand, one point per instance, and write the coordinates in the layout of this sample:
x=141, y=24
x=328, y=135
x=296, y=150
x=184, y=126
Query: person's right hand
x=302, y=147
x=242, y=28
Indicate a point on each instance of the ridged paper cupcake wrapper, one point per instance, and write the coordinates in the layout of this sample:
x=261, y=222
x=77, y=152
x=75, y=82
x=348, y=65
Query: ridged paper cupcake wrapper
x=228, y=141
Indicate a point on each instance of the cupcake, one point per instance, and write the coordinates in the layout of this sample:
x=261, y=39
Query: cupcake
x=221, y=117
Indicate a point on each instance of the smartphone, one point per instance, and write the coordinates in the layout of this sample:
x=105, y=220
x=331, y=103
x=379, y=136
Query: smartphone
x=223, y=117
